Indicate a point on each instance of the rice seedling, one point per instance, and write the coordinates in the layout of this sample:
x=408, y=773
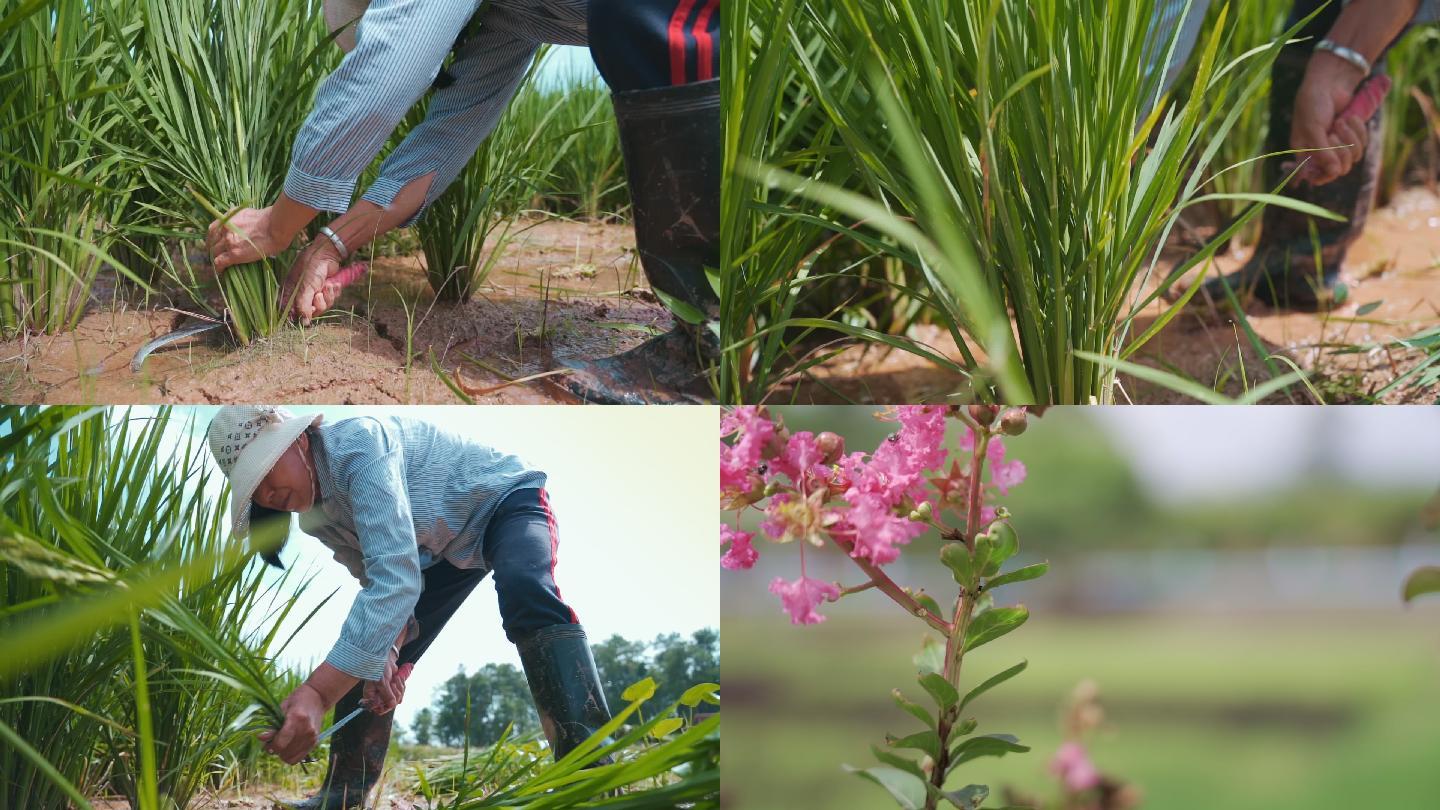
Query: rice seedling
x=132, y=664
x=670, y=760
x=509, y=170
x=1412, y=131
x=218, y=90
x=588, y=179
x=1003, y=149
x=58, y=190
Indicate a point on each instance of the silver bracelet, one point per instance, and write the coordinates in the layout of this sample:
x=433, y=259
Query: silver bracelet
x=1350, y=55
x=335, y=238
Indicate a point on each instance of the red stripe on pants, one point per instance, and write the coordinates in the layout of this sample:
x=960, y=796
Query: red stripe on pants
x=554, y=548
x=677, y=41
x=703, y=43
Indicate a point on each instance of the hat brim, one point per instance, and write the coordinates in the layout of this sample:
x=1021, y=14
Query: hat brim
x=255, y=462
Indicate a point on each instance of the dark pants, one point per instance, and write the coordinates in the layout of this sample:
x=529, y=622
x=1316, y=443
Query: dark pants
x=642, y=44
x=520, y=547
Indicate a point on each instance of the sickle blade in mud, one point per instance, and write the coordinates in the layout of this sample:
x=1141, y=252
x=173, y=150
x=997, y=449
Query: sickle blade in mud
x=183, y=333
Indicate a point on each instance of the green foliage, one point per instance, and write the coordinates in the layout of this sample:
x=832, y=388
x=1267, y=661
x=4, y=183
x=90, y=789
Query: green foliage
x=1424, y=580
x=1001, y=149
x=59, y=192
x=946, y=738
x=626, y=763
x=124, y=605
x=494, y=701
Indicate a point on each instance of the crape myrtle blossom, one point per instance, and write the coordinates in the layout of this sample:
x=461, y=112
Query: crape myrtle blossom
x=802, y=596
x=741, y=554
x=870, y=505
x=1074, y=768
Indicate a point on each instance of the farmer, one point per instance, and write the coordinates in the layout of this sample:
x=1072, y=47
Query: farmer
x=660, y=59
x=1310, y=84
x=419, y=516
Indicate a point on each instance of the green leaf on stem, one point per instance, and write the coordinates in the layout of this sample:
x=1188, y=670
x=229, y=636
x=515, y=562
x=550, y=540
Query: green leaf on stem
x=1019, y=575
x=963, y=730
x=1003, y=545
x=993, y=624
x=945, y=694
x=962, y=564
x=969, y=797
x=895, y=760
x=927, y=741
x=907, y=789
x=988, y=745
x=1422, y=581
x=915, y=709
x=993, y=682
x=928, y=602
x=707, y=692
x=931, y=657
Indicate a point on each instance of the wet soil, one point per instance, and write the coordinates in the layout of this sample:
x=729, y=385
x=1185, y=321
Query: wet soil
x=1393, y=277
x=561, y=290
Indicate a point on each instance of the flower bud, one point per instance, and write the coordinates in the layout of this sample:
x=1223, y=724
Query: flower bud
x=921, y=512
x=983, y=414
x=832, y=446
x=1013, y=422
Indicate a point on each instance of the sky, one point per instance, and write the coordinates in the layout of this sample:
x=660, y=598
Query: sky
x=633, y=489
x=1182, y=452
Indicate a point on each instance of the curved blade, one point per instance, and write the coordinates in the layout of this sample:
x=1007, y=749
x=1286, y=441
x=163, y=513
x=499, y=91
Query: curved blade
x=183, y=333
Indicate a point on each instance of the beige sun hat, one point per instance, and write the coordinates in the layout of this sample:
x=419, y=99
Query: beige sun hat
x=246, y=441
x=340, y=13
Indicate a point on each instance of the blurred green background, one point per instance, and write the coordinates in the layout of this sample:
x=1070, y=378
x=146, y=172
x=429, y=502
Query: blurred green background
x=1228, y=577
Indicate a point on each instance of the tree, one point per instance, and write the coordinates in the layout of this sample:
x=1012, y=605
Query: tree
x=424, y=726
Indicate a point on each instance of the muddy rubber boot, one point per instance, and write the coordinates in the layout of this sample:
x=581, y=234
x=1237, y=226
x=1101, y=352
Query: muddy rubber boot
x=1283, y=272
x=357, y=756
x=671, y=140
x=565, y=685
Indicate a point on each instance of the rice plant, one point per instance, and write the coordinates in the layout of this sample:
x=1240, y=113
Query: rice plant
x=509, y=170
x=1412, y=129
x=1002, y=148
x=58, y=188
x=588, y=179
x=131, y=666
x=218, y=91
x=670, y=760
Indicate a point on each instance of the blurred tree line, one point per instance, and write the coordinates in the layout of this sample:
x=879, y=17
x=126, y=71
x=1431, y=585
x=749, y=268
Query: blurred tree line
x=496, y=695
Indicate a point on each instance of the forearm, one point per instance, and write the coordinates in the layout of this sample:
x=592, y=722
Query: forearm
x=366, y=221
x=330, y=683
x=288, y=218
x=1370, y=26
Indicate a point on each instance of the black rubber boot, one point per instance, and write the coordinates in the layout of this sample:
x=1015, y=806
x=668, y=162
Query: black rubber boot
x=565, y=685
x=671, y=141
x=1283, y=272
x=357, y=756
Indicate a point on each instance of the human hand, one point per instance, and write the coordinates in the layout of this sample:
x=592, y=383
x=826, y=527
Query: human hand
x=384, y=695
x=311, y=285
x=245, y=235
x=1321, y=120
x=304, y=708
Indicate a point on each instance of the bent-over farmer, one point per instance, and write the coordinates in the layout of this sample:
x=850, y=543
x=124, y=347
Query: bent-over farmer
x=419, y=516
x=1312, y=81
x=661, y=60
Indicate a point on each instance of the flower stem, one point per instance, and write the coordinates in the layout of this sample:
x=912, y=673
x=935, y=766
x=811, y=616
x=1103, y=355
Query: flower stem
x=888, y=586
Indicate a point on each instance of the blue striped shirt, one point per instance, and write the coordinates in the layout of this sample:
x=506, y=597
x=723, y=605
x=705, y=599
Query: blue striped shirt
x=400, y=47
x=398, y=495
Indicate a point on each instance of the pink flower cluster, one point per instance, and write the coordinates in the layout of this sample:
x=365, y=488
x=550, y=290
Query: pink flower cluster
x=1073, y=766
x=861, y=501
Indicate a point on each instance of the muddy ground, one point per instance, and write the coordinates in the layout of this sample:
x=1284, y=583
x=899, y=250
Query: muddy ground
x=562, y=290
x=1395, y=266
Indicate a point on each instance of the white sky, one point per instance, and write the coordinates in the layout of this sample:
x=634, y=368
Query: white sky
x=1182, y=452
x=633, y=490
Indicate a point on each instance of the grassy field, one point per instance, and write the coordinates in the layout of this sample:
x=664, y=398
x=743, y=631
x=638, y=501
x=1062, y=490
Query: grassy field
x=1258, y=711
